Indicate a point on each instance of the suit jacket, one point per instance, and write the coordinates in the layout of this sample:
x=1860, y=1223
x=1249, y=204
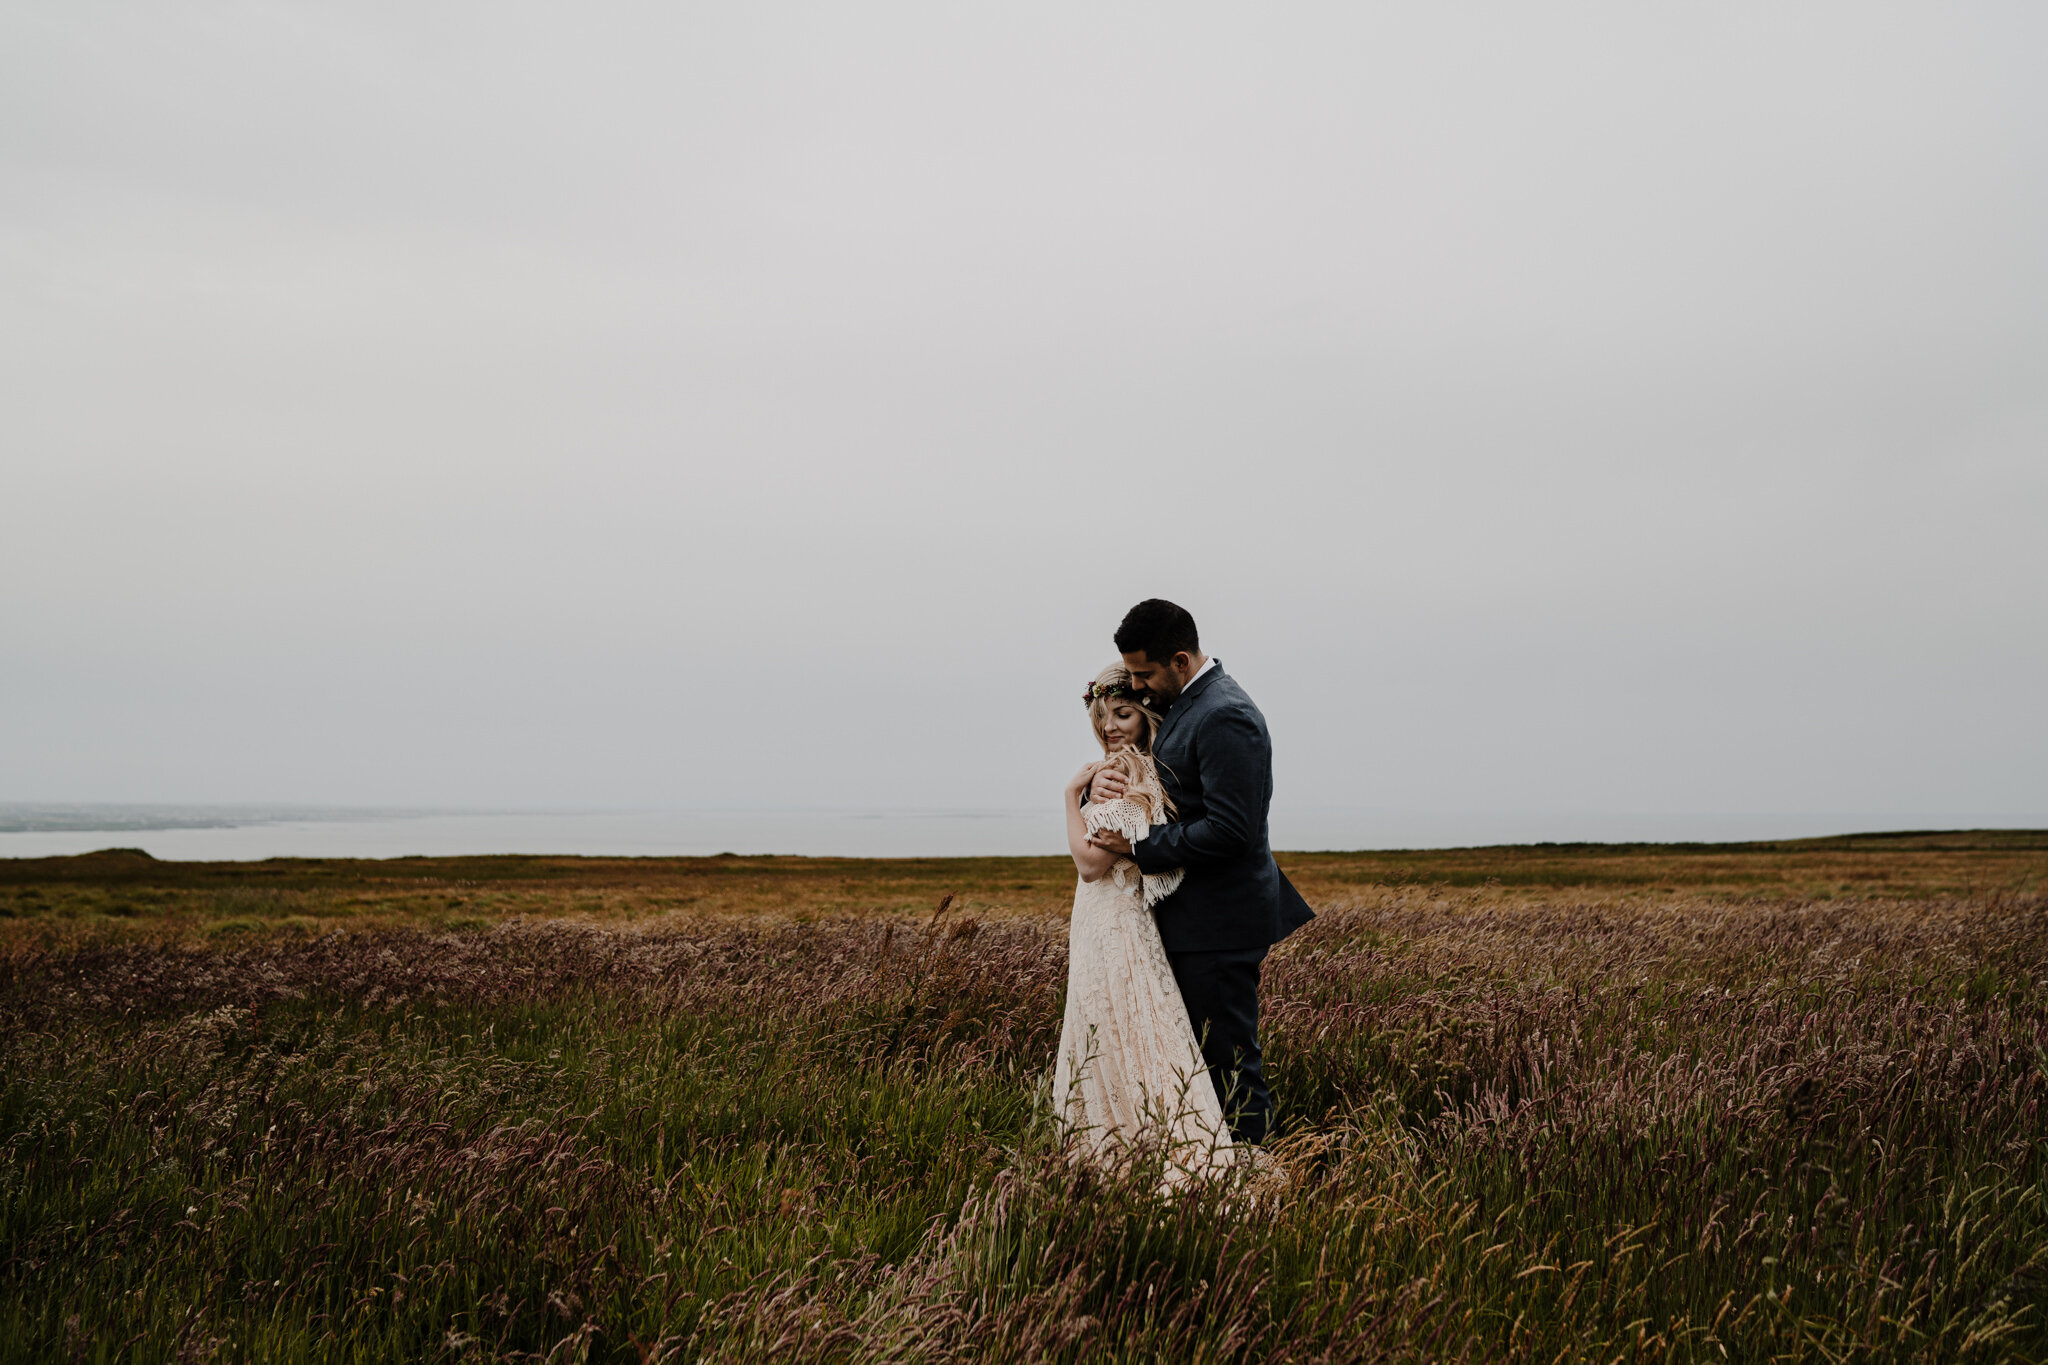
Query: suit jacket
x=1216, y=762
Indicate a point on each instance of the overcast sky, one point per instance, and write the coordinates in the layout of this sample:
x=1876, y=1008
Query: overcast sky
x=1540, y=407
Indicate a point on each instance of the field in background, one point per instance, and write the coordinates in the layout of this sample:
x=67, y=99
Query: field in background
x=1648, y=1102
x=119, y=894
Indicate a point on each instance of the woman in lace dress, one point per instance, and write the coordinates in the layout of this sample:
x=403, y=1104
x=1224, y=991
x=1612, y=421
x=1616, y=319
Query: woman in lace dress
x=1129, y=1070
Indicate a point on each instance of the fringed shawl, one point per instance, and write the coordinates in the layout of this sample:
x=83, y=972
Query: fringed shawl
x=1130, y=818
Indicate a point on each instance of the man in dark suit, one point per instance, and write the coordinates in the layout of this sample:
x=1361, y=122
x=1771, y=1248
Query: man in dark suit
x=1216, y=762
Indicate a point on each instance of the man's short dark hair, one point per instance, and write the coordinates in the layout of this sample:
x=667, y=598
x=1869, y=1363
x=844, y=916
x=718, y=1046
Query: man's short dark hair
x=1159, y=630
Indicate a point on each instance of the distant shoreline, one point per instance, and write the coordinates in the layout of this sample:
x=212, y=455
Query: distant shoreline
x=225, y=834
x=31, y=817
x=1998, y=840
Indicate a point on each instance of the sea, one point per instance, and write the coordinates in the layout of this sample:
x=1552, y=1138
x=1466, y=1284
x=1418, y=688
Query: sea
x=238, y=833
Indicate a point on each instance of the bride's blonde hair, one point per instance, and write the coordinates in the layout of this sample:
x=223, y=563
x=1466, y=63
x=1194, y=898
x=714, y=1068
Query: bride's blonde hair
x=1141, y=776
x=1113, y=684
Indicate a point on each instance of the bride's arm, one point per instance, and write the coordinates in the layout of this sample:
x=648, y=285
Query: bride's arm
x=1094, y=863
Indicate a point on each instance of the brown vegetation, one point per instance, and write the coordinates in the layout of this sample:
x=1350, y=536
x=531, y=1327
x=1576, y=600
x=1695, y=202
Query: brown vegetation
x=1590, y=1103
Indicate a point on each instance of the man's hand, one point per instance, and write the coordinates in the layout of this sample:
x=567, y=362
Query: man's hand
x=1111, y=840
x=1108, y=785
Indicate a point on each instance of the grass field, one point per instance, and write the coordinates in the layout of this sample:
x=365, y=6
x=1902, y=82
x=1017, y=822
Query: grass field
x=1743, y=1102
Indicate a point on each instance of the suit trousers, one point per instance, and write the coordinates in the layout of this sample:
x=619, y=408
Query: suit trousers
x=1221, y=991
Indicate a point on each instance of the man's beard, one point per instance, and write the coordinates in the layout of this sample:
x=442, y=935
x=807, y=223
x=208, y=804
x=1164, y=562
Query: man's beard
x=1158, y=699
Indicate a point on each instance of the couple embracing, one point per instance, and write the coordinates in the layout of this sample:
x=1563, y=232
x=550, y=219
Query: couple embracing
x=1178, y=904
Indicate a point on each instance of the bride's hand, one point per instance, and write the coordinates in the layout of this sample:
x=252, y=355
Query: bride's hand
x=1083, y=778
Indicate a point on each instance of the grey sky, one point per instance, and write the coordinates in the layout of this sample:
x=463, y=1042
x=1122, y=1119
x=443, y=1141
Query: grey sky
x=1547, y=407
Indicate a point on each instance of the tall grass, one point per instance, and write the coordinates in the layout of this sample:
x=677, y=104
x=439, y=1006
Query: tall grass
x=1661, y=1128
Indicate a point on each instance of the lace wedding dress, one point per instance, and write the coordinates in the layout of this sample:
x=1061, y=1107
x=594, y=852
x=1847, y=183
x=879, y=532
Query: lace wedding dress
x=1129, y=1072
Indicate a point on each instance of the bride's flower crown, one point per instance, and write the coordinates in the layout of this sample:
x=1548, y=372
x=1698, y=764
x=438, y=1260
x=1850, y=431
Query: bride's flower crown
x=1102, y=692
x=1098, y=692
